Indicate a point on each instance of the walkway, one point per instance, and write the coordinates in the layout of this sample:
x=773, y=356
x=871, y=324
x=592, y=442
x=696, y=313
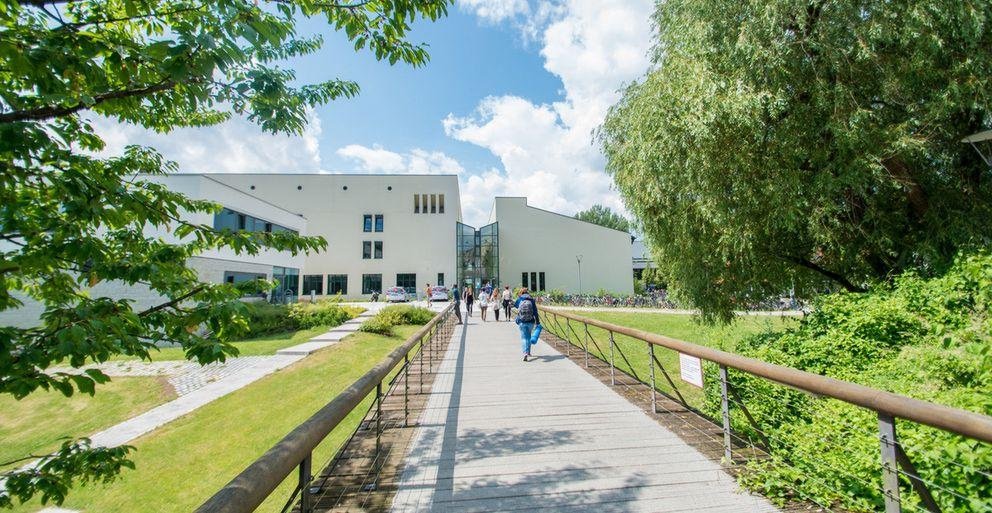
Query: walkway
x=499, y=434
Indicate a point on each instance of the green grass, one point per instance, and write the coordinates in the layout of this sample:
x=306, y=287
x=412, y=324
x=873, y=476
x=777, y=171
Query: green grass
x=37, y=423
x=261, y=346
x=184, y=462
x=679, y=326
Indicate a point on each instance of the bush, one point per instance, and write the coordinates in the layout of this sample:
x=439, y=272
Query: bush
x=266, y=319
x=383, y=322
x=321, y=313
x=378, y=325
x=923, y=338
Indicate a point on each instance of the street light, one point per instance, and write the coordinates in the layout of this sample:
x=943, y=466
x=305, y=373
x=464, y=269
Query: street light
x=578, y=259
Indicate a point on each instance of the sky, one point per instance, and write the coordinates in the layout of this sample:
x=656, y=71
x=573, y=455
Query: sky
x=509, y=102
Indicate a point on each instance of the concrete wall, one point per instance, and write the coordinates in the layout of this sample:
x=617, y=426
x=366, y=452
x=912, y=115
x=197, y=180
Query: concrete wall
x=535, y=240
x=334, y=206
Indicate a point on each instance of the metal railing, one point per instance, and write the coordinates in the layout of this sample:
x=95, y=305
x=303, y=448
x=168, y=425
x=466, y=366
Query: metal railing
x=295, y=451
x=888, y=407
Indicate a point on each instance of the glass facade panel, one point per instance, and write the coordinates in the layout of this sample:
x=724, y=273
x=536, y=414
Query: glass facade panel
x=408, y=281
x=371, y=283
x=228, y=219
x=477, y=255
x=313, y=283
x=337, y=284
x=488, y=237
x=287, y=284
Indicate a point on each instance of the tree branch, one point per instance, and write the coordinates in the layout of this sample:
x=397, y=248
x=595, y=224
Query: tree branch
x=899, y=171
x=174, y=302
x=43, y=113
x=844, y=282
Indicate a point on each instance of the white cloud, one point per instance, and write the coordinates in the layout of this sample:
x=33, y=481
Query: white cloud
x=547, y=150
x=495, y=11
x=418, y=161
x=237, y=146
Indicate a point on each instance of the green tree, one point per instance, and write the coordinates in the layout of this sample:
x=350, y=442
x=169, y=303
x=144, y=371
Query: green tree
x=604, y=216
x=806, y=142
x=70, y=219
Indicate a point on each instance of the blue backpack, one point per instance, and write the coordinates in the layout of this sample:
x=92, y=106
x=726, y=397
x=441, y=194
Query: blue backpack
x=527, y=312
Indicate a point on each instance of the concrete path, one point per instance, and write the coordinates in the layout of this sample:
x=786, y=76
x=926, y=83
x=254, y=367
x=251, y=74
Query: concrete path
x=500, y=434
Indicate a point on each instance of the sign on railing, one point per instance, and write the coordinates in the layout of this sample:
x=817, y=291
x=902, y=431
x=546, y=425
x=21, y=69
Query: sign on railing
x=691, y=369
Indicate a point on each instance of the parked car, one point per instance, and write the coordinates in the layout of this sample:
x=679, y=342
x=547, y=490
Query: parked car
x=439, y=293
x=397, y=295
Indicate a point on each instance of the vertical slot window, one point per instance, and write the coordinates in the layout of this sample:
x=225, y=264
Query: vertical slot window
x=367, y=223
x=378, y=249
x=523, y=280
x=433, y=203
x=378, y=222
x=416, y=203
x=540, y=282
x=440, y=203
x=366, y=250
x=423, y=201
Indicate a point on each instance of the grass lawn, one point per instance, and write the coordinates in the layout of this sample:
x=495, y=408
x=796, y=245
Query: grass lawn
x=184, y=462
x=679, y=326
x=261, y=346
x=35, y=424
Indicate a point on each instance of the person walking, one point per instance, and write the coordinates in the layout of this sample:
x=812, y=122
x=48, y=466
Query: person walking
x=527, y=319
x=469, y=300
x=494, y=301
x=457, y=298
x=429, y=292
x=506, y=301
x=483, y=304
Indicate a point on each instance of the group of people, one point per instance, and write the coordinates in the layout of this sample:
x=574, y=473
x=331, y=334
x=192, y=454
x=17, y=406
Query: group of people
x=490, y=297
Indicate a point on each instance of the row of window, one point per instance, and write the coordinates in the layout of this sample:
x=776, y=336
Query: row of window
x=367, y=249
x=421, y=205
x=367, y=222
x=233, y=220
x=338, y=283
x=536, y=282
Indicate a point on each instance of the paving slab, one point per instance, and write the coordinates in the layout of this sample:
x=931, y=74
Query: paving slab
x=501, y=434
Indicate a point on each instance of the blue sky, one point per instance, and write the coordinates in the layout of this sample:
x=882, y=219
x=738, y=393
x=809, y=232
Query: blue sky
x=508, y=102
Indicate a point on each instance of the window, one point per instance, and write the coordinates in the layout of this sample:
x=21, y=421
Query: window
x=523, y=280
x=440, y=279
x=288, y=283
x=238, y=278
x=228, y=219
x=533, y=281
x=408, y=281
x=540, y=277
x=423, y=201
x=371, y=283
x=337, y=284
x=433, y=203
x=366, y=250
x=440, y=203
x=378, y=222
x=313, y=283
x=367, y=223
x=378, y=249
x=416, y=203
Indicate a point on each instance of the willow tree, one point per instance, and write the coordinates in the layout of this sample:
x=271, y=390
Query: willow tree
x=805, y=143
x=71, y=218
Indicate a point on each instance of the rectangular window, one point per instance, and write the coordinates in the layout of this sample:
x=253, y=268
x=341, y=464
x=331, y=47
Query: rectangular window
x=337, y=284
x=440, y=279
x=366, y=250
x=423, y=201
x=440, y=203
x=367, y=223
x=523, y=280
x=313, y=283
x=408, y=281
x=232, y=220
x=416, y=203
x=433, y=203
x=371, y=283
x=533, y=281
x=378, y=249
x=226, y=219
x=540, y=283
x=378, y=222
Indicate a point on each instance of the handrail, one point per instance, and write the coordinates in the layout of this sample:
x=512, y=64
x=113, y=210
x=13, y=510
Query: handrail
x=256, y=482
x=950, y=419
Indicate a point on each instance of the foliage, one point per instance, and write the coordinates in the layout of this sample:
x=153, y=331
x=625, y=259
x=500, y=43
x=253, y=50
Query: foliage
x=925, y=338
x=265, y=319
x=322, y=313
x=383, y=322
x=805, y=144
x=72, y=218
x=604, y=216
x=378, y=325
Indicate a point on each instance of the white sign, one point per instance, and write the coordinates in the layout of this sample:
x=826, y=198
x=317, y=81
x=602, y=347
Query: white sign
x=691, y=369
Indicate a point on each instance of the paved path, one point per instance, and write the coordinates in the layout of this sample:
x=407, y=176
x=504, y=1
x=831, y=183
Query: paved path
x=500, y=434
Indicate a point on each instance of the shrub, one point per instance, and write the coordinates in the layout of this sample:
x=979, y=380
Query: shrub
x=383, y=322
x=321, y=313
x=377, y=324
x=265, y=319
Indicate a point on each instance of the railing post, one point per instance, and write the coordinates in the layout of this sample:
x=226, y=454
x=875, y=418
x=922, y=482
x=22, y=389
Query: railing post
x=378, y=419
x=406, y=390
x=654, y=389
x=725, y=410
x=306, y=501
x=585, y=344
x=568, y=341
x=613, y=375
x=890, y=469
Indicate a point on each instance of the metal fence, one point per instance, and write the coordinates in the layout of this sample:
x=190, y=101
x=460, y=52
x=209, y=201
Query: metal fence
x=295, y=451
x=733, y=373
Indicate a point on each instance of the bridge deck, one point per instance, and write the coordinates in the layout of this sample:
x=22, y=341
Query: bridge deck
x=499, y=434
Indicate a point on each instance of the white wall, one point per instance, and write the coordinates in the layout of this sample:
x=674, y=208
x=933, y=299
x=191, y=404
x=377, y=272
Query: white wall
x=423, y=244
x=535, y=240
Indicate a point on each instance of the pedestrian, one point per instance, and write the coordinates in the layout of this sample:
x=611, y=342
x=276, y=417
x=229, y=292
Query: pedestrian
x=429, y=291
x=469, y=300
x=483, y=304
x=506, y=301
x=527, y=319
x=488, y=288
x=458, y=302
x=494, y=300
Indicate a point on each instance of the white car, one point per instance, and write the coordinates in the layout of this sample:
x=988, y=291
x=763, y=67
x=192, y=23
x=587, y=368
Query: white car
x=397, y=295
x=439, y=293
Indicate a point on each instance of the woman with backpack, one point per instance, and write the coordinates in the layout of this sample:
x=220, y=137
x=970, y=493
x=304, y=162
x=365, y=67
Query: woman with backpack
x=527, y=320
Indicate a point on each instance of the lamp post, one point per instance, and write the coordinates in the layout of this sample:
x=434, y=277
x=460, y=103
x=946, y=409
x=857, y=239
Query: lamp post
x=578, y=259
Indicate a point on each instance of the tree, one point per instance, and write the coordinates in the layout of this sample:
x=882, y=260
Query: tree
x=70, y=219
x=806, y=142
x=604, y=216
